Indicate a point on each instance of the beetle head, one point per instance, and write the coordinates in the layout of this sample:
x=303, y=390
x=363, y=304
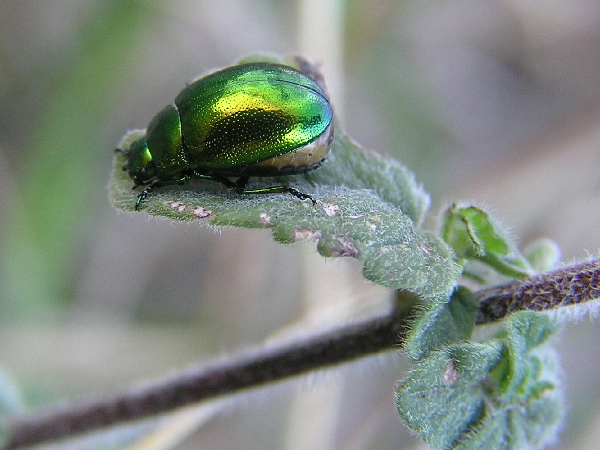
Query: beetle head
x=140, y=166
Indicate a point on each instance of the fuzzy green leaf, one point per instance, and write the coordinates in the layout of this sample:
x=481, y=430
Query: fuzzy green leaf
x=442, y=323
x=476, y=235
x=444, y=395
x=367, y=208
x=525, y=332
x=501, y=394
x=520, y=428
x=523, y=389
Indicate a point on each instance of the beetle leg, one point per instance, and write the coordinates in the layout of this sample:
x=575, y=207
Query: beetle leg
x=278, y=190
x=241, y=183
x=143, y=195
x=238, y=186
x=302, y=196
x=215, y=177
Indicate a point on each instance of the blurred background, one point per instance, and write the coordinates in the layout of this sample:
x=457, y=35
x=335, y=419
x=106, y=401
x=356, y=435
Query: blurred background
x=495, y=102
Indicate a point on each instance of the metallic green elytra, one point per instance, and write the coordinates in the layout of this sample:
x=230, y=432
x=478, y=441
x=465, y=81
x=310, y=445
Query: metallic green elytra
x=258, y=119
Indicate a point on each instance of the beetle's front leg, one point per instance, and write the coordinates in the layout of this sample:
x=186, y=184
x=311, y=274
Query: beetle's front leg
x=144, y=194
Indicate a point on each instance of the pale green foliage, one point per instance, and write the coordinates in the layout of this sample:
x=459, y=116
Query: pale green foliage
x=367, y=208
x=443, y=396
x=475, y=235
x=441, y=323
x=499, y=394
x=502, y=393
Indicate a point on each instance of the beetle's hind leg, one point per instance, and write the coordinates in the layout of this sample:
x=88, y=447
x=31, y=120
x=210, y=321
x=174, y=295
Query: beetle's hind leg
x=241, y=189
x=301, y=195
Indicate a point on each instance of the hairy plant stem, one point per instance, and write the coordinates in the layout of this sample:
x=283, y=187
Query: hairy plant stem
x=566, y=286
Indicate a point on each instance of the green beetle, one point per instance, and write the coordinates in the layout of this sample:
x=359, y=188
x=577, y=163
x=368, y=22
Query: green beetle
x=258, y=119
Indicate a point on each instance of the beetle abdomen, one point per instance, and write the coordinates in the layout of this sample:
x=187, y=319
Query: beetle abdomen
x=251, y=113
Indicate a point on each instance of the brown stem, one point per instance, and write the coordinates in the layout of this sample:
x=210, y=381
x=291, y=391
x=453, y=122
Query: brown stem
x=566, y=286
x=254, y=369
